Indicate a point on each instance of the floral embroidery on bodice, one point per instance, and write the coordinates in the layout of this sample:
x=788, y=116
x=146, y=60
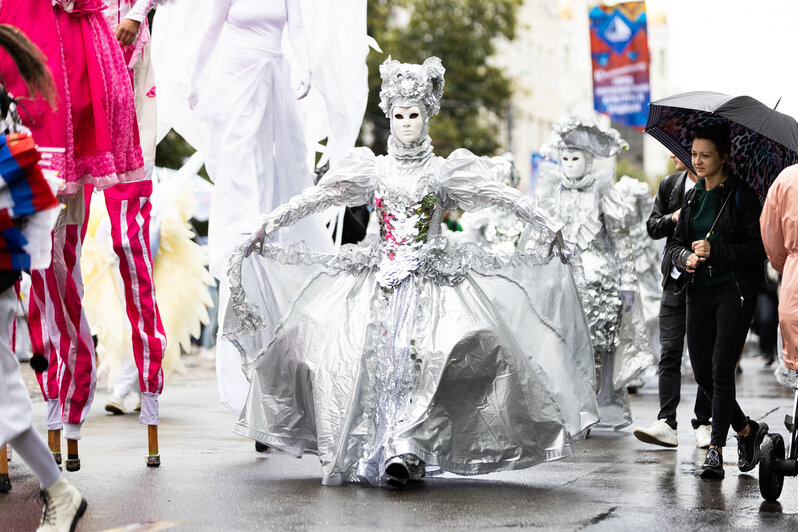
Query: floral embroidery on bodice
x=405, y=206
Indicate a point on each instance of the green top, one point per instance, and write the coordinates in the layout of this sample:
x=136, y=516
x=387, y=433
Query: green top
x=706, y=206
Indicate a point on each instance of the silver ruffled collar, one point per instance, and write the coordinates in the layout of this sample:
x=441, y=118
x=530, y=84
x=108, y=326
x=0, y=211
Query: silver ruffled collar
x=416, y=152
x=583, y=182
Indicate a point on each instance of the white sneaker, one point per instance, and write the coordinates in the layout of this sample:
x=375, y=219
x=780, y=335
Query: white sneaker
x=660, y=433
x=115, y=405
x=63, y=506
x=703, y=436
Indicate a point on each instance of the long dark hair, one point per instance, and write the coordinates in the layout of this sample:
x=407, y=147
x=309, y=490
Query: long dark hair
x=29, y=61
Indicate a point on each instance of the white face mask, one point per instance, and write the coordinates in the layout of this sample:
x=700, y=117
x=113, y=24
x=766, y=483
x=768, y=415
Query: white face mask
x=574, y=164
x=406, y=123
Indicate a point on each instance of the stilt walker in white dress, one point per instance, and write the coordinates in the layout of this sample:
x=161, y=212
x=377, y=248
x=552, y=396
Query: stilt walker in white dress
x=246, y=122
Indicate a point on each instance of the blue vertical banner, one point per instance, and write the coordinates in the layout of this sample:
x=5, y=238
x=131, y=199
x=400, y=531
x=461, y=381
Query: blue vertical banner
x=620, y=56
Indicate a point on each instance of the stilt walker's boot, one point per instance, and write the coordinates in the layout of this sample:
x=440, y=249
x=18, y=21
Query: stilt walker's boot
x=73, y=459
x=54, y=442
x=153, y=457
x=5, y=482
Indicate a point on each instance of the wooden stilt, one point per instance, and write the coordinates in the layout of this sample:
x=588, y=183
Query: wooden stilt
x=73, y=459
x=5, y=482
x=153, y=457
x=54, y=442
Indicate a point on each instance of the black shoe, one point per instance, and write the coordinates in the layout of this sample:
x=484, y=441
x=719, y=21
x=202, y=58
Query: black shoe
x=748, y=446
x=416, y=467
x=397, y=472
x=713, y=465
x=261, y=447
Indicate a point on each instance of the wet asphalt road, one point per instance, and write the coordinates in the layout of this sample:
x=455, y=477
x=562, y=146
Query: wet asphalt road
x=211, y=479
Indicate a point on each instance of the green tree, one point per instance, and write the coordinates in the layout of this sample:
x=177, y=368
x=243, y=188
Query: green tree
x=172, y=151
x=626, y=167
x=462, y=33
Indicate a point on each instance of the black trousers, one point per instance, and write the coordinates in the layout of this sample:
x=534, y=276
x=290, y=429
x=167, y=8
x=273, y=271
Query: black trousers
x=717, y=324
x=672, y=325
x=767, y=320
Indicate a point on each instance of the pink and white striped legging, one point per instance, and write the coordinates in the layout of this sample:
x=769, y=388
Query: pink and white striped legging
x=58, y=325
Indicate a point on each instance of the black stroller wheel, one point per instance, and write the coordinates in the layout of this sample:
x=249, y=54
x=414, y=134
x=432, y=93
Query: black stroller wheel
x=770, y=479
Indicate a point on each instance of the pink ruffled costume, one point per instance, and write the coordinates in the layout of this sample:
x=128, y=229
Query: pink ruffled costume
x=94, y=122
x=94, y=136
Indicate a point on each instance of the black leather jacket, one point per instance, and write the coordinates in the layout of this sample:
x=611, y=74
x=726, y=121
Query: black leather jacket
x=741, y=250
x=669, y=199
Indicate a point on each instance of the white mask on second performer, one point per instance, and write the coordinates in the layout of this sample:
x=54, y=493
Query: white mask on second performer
x=406, y=123
x=575, y=164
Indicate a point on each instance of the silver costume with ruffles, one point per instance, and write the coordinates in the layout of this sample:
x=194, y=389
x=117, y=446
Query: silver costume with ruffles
x=492, y=228
x=412, y=344
x=647, y=254
x=597, y=222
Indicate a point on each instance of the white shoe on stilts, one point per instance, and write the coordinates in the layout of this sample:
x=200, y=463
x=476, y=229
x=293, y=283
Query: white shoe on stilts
x=63, y=506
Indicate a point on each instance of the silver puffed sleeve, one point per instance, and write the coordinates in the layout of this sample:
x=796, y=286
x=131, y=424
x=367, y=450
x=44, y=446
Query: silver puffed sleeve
x=349, y=183
x=466, y=181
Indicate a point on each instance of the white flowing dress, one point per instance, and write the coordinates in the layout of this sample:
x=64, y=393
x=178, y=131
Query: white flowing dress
x=247, y=128
x=252, y=139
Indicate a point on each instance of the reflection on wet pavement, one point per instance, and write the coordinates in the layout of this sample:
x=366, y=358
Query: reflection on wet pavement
x=213, y=480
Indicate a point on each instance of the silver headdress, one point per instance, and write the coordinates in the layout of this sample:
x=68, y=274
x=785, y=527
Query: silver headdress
x=405, y=83
x=585, y=134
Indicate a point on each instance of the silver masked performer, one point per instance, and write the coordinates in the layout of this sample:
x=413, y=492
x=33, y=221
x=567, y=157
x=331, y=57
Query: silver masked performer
x=597, y=222
x=411, y=353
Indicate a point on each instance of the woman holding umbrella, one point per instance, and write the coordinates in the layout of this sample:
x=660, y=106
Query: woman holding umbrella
x=717, y=241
